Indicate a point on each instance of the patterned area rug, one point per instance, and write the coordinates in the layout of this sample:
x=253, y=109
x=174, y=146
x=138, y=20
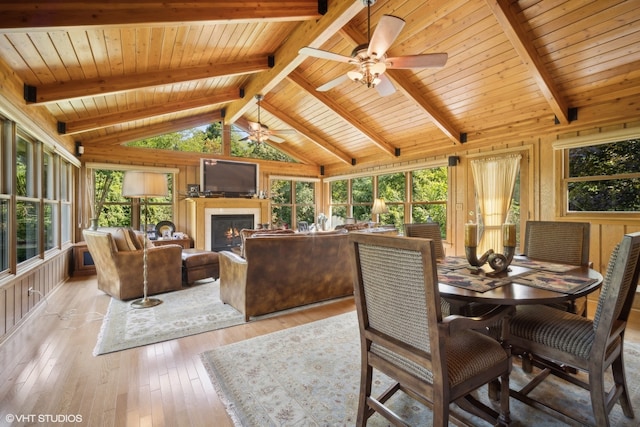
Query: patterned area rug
x=186, y=312
x=309, y=375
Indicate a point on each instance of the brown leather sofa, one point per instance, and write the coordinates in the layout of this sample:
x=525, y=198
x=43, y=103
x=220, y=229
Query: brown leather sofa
x=281, y=271
x=118, y=256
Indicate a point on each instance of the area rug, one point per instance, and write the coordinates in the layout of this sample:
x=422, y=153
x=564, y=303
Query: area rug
x=309, y=376
x=186, y=312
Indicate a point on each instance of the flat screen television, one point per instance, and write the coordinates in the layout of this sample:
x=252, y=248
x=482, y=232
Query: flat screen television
x=227, y=178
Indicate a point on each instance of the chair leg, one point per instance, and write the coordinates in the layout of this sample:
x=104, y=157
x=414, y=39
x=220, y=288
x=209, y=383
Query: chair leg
x=505, y=413
x=364, y=412
x=598, y=397
x=527, y=362
x=619, y=377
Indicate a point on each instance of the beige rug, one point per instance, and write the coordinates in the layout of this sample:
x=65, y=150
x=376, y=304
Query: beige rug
x=309, y=376
x=190, y=311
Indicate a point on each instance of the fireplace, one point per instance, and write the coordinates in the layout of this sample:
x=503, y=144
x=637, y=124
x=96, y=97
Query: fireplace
x=225, y=230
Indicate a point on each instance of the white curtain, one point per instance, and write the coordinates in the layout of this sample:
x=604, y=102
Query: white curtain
x=494, y=180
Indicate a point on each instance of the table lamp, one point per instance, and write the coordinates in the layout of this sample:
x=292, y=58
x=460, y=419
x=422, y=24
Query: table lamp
x=143, y=185
x=379, y=207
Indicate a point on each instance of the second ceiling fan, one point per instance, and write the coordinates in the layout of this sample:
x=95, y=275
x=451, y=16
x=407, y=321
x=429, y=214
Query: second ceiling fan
x=261, y=133
x=371, y=59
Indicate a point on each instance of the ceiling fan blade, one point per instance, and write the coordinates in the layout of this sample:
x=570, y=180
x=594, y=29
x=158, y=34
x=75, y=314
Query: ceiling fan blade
x=275, y=139
x=333, y=83
x=385, y=87
x=384, y=35
x=429, y=60
x=324, y=54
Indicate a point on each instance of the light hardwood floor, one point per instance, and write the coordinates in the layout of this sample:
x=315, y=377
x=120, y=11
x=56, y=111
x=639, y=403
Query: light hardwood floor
x=48, y=368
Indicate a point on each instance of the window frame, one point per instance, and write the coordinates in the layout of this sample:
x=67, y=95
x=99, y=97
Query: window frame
x=136, y=206
x=408, y=203
x=561, y=158
x=294, y=205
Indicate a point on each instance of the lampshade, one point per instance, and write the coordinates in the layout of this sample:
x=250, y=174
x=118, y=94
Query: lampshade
x=144, y=184
x=379, y=207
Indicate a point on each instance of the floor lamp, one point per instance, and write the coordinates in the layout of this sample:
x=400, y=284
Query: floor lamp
x=143, y=185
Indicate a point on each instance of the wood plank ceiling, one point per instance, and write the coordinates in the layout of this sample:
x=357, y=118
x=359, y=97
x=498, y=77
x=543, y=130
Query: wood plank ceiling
x=113, y=72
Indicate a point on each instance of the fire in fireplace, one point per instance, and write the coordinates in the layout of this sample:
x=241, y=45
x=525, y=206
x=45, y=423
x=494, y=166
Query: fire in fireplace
x=225, y=230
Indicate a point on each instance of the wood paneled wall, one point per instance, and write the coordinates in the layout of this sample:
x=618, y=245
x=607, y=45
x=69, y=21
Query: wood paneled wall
x=15, y=302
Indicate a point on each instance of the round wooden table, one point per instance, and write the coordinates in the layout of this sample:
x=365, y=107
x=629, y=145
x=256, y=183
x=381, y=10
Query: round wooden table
x=517, y=292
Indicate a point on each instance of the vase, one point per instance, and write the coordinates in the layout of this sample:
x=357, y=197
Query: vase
x=94, y=224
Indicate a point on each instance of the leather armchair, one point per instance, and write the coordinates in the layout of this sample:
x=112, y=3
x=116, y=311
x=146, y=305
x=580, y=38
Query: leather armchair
x=118, y=257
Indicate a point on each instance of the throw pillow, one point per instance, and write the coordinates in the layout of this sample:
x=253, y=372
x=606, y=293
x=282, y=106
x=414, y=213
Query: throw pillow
x=123, y=240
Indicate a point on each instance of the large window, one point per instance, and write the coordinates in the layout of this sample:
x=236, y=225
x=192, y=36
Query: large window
x=425, y=199
x=35, y=198
x=112, y=209
x=292, y=201
x=604, y=177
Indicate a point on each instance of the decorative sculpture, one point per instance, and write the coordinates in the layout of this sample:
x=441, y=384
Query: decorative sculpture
x=498, y=262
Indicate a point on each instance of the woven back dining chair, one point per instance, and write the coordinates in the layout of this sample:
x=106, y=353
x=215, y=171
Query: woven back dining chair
x=427, y=230
x=591, y=346
x=403, y=334
x=560, y=242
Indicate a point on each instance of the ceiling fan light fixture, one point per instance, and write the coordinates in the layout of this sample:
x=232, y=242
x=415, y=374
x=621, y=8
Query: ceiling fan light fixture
x=378, y=68
x=356, y=76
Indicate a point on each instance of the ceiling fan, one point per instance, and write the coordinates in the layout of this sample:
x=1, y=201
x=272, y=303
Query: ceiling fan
x=261, y=133
x=371, y=59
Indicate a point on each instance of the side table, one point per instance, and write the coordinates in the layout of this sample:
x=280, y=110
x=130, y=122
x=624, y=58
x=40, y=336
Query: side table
x=82, y=262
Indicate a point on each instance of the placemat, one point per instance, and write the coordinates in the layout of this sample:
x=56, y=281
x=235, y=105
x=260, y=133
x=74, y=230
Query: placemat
x=543, y=265
x=469, y=281
x=547, y=280
x=453, y=263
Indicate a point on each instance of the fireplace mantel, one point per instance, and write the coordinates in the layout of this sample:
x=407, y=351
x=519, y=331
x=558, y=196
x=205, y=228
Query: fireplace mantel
x=197, y=218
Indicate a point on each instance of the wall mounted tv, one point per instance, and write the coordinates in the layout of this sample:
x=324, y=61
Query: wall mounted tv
x=225, y=178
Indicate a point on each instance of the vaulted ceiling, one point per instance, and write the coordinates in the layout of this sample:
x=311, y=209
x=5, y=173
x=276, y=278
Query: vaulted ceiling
x=114, y=72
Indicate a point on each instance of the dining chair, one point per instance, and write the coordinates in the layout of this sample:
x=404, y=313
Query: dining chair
x=403, y=335
x=560, y=242
x=427, y=230
x=591, y=346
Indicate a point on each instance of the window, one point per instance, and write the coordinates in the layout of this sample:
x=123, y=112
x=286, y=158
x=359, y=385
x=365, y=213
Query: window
x=391, y=189
x=6, y=171
x=362, y=198
x=51, y=207
x=604, y=177
x=114, y=210
x=292, y=202
x=339, y=209
x=423, y=199
x=66, y=216
x=36, y=197
x=27, y=201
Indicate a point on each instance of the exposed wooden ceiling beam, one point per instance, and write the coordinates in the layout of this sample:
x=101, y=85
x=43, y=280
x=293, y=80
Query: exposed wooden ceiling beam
x=37, y=14
x=343, y=113
x=517, y=35
x=118, y=117
x=105, y=85
x=399, y=80
x=177, y=125
x=309, y=33
x=307, y=133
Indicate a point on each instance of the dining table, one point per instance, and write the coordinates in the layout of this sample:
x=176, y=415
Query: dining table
x=525, y=281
